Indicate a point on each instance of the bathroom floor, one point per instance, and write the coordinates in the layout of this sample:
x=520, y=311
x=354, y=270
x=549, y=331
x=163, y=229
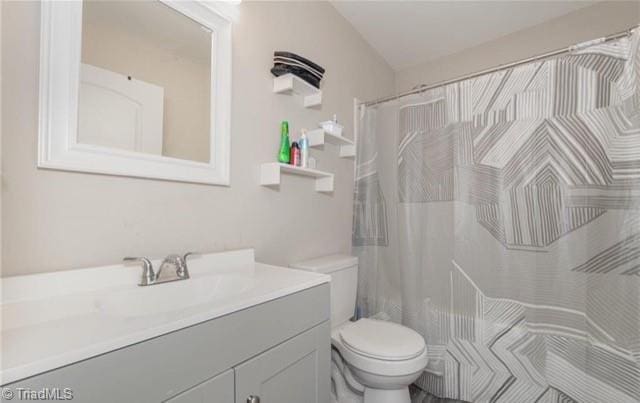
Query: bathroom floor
x=420, y=396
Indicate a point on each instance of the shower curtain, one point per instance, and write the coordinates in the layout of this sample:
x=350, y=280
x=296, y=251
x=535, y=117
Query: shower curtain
x=499, y=217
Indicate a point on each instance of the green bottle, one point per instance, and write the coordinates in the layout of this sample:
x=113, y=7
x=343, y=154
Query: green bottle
x=284, y=154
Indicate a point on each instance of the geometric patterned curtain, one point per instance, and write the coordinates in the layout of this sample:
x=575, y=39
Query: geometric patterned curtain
x=516, y=204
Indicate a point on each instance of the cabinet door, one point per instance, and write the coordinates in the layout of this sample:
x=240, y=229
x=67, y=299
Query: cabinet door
x=218, y=389
x=296, y=371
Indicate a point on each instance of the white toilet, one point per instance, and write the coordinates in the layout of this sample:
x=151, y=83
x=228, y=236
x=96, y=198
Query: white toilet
x=372, y=361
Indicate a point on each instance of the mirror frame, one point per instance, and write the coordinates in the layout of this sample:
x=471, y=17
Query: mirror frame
x=60, y=55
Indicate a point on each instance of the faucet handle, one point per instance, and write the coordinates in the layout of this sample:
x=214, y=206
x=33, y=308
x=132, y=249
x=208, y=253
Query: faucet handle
x=186, y=255
x=148, y=275
x=182, y=270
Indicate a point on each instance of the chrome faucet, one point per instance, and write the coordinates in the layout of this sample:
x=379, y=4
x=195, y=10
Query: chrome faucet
x=149, y=277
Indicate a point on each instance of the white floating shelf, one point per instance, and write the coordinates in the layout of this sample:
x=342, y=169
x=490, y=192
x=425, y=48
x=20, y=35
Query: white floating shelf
x=290, y=84
x=319, y=137
x=270, y=173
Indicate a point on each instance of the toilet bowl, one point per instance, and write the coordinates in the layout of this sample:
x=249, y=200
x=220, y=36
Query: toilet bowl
x=373, y=361
x=383, y=358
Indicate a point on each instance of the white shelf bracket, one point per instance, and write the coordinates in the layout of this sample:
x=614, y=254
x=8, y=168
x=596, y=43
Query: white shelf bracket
x=324, y=185
x=290, y=84
x=319, y=137
x=271, y=172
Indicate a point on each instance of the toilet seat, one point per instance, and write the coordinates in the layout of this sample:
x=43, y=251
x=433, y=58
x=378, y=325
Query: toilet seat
x=382, y=340
x=356, y=343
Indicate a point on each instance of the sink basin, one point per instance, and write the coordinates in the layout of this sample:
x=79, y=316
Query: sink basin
x=173, y=296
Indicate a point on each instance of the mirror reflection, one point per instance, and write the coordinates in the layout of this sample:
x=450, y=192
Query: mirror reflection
x=145, y=80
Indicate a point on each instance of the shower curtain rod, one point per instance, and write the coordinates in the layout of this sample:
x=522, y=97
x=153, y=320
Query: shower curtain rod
x=425, y=87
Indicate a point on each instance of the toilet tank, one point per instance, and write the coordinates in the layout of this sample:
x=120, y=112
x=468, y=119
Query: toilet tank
x=343, y=270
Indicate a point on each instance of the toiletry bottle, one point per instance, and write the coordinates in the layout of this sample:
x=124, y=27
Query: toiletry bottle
x=295, y=154
x=303, y=143
x=284, y=154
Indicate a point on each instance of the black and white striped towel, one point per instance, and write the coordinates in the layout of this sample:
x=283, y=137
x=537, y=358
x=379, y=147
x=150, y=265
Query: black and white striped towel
x=287, y=62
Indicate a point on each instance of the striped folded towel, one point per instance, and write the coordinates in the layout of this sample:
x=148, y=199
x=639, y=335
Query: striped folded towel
x=287, y=62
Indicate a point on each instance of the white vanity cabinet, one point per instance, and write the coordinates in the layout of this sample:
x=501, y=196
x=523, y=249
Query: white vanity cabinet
x=278, y=351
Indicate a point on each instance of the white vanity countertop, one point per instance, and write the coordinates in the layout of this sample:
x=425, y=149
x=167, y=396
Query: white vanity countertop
x=55, y=319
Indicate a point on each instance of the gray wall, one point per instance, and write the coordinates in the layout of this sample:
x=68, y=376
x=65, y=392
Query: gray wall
x=585, y=24
x=56, y=220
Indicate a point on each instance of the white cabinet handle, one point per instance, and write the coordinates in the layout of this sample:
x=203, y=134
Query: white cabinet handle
x=253, y=399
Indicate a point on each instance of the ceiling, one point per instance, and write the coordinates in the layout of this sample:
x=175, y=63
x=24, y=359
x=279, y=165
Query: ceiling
x=408, y=33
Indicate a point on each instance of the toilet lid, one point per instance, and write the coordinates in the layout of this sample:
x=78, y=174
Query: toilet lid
x=382, y=340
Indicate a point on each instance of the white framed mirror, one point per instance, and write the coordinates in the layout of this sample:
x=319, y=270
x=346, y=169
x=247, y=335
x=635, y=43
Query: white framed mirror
x=136, y=88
